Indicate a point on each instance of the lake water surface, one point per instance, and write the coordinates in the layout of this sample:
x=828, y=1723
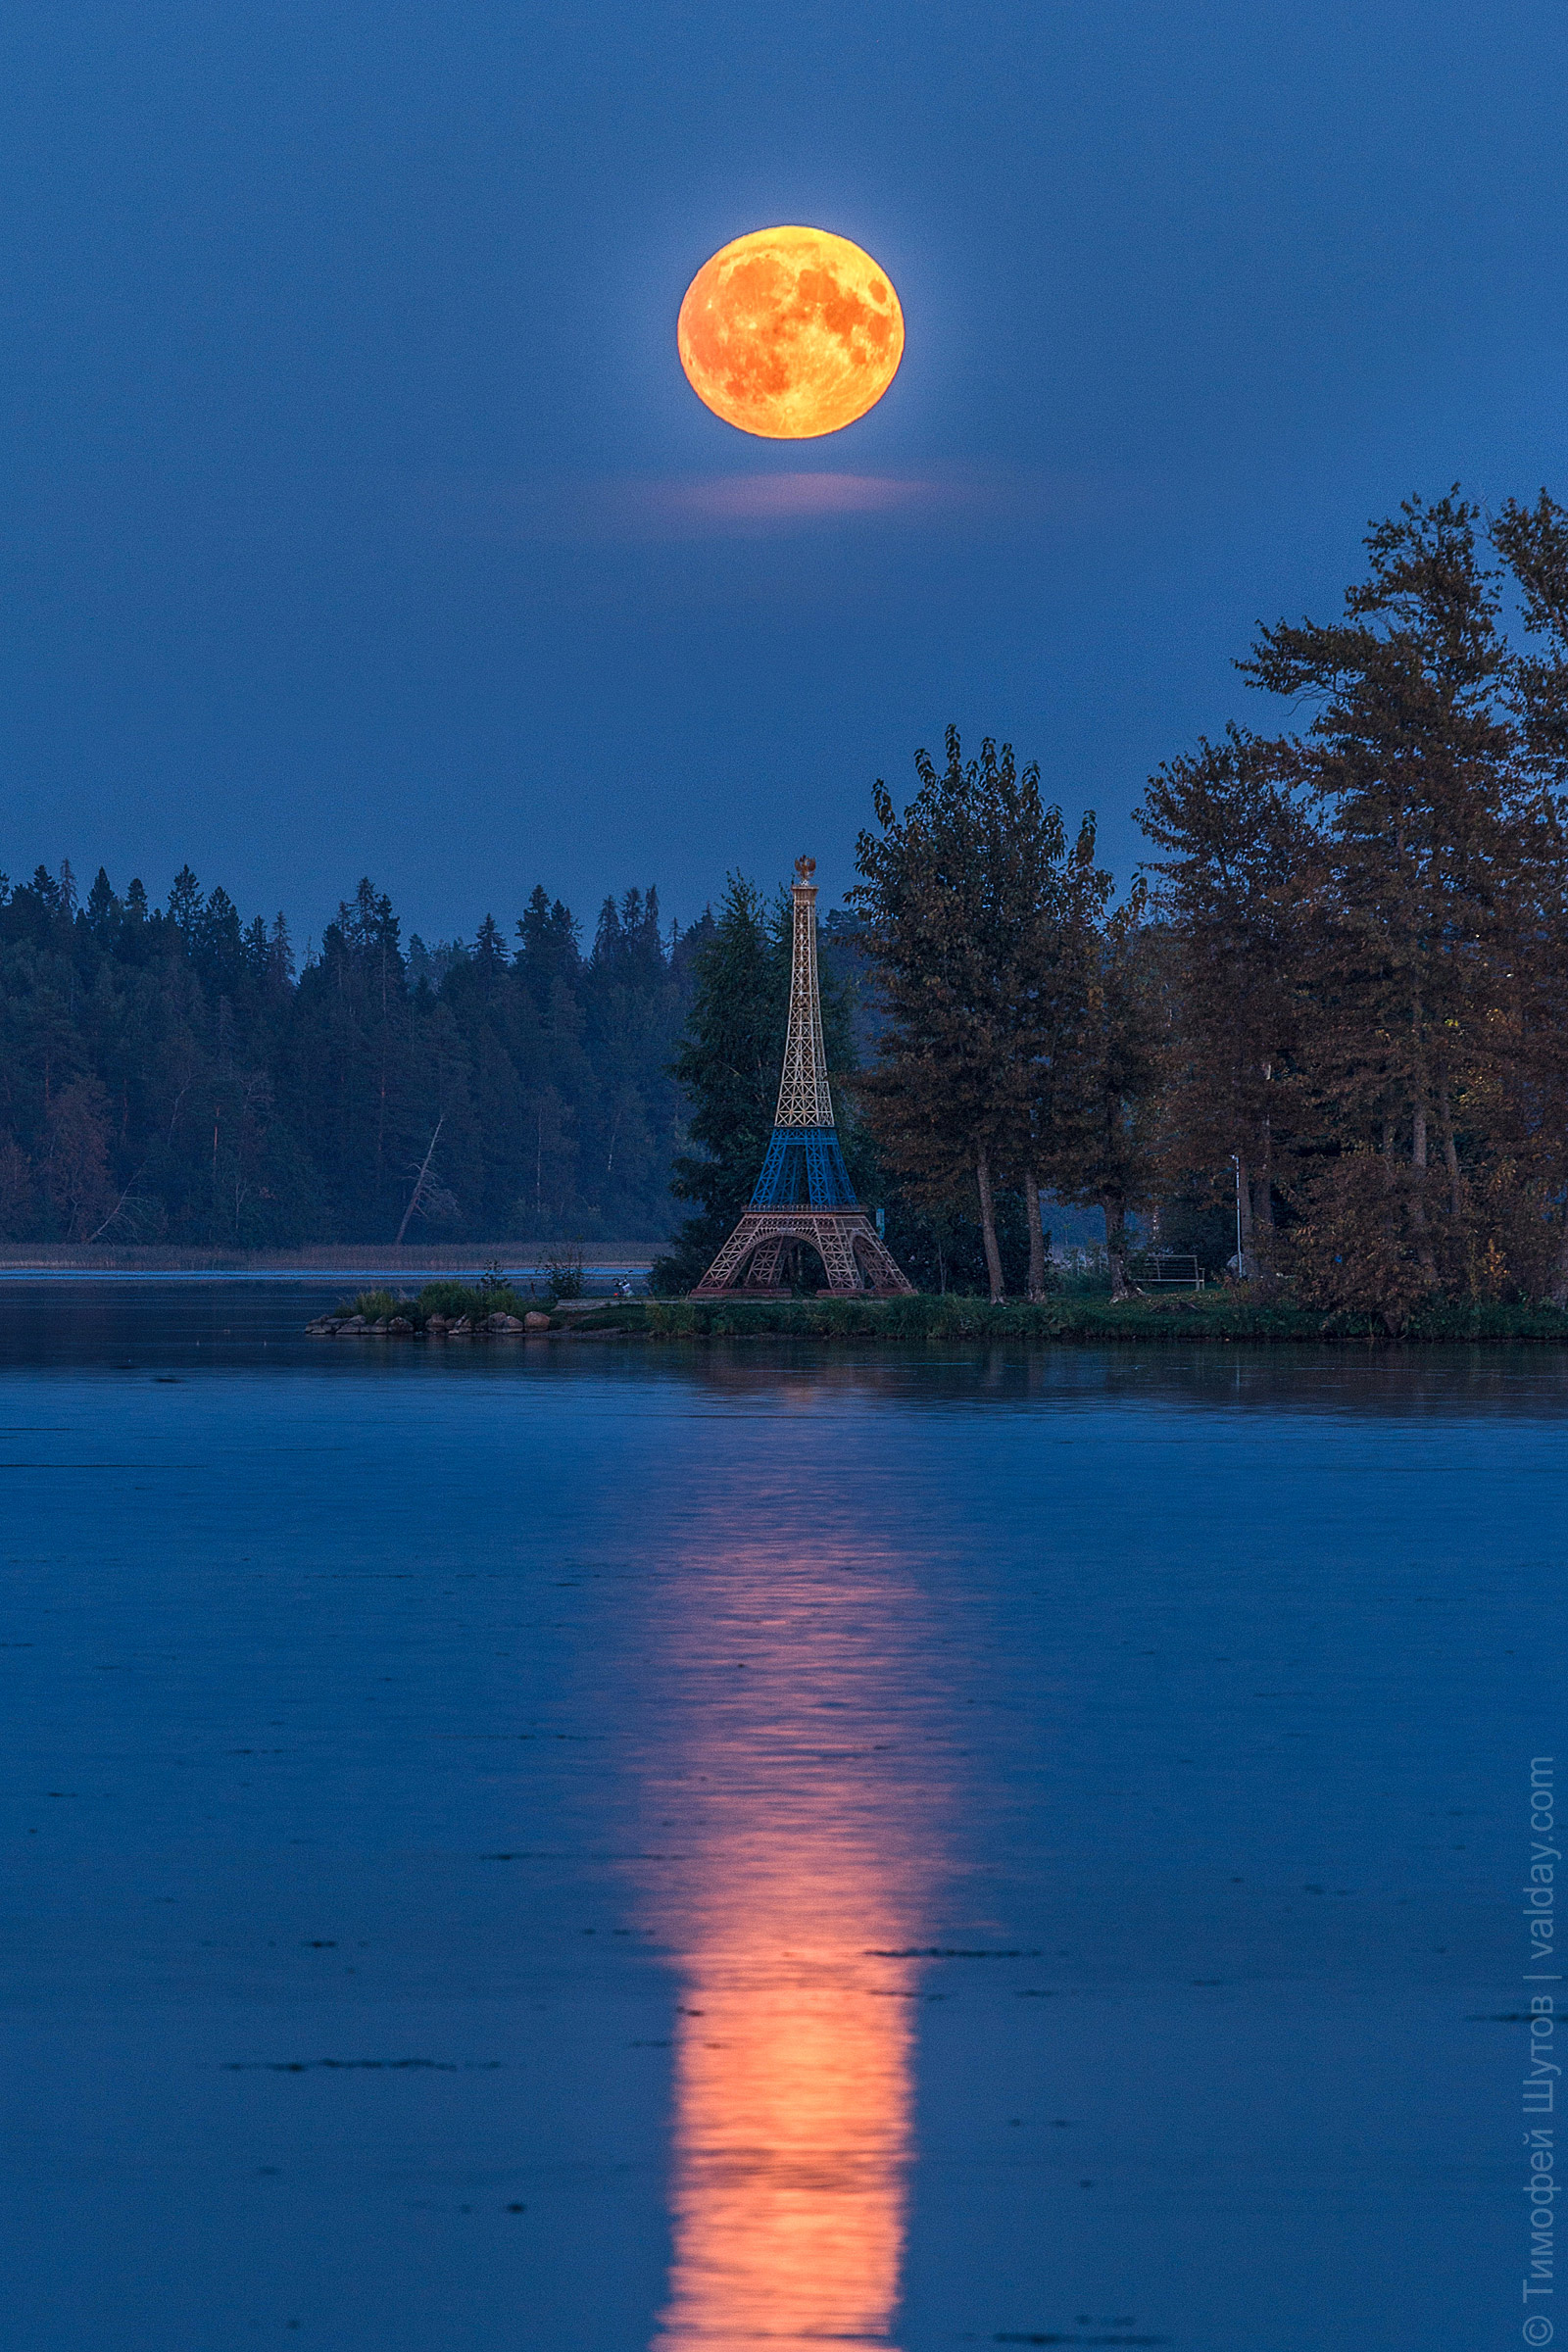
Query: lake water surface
x=603, y=1846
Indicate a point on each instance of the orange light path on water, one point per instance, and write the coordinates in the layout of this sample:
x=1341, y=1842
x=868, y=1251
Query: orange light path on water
x=792, y=2118
x=805, y=1872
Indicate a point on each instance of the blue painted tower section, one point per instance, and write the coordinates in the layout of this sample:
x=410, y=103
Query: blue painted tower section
x=803, y=1167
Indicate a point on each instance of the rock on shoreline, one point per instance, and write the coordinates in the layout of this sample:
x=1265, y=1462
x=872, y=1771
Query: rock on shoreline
x=435, y=1326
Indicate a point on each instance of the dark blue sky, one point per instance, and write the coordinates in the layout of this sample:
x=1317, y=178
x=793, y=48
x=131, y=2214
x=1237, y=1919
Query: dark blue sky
x=356, y=515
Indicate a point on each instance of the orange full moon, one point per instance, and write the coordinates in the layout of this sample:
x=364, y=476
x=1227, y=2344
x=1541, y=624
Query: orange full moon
x=790, y=333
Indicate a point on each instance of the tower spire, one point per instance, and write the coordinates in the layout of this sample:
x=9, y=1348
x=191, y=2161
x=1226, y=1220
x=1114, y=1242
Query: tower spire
x=804, y=1192
x=804, y=1096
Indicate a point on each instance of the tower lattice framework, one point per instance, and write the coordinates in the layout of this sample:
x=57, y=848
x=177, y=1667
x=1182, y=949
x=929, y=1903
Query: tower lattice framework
x=803, y=1193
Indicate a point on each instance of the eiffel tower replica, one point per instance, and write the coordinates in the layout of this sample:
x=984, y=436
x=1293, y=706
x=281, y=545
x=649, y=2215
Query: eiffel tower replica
x=803, y=1193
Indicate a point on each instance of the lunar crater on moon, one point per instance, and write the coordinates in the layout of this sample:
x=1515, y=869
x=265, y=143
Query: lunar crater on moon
x=790, y=333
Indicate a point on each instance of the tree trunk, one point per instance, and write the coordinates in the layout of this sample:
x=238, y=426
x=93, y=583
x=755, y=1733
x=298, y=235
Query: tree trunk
x=1559, y=1293
x=1263, y=1217
x=1450, y=1157
x=1263, y=1197
x=1418, y=1150
x=1116, y=1243
x=1037, y=1239
x=1246, y=1256
x=988, y=1222
x=419, y=1183
x=1418, y=1196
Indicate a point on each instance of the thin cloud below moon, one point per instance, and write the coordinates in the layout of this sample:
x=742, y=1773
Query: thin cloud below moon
x=786, y=498
x=737, y=505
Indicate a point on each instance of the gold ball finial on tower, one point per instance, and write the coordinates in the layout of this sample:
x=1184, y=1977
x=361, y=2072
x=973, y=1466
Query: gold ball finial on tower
x=804, y=868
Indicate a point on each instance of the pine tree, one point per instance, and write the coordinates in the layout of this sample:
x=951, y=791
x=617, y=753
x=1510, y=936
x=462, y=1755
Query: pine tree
x=104, y=909
x=1105, y=1152
x=1407, y=762
x=728, y=1066
x=970, y=899
x=1242, y=875
x=184, y=904
x=547, y=945
x=1530, y=1107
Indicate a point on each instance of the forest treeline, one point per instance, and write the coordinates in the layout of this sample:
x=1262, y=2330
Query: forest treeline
x=165, y=1075
x=1338, y=994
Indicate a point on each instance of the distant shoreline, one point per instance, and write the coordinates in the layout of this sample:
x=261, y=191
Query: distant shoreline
x=324, y=1258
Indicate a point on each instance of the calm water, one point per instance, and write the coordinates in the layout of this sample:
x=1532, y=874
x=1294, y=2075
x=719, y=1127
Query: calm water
x=591, y=1846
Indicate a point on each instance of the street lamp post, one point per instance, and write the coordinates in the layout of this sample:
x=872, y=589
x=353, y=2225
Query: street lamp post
x=1241, y=1263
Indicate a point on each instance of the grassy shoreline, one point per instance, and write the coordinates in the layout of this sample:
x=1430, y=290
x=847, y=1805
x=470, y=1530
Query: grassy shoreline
x=1215, y=1316
x=1208, y=1316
